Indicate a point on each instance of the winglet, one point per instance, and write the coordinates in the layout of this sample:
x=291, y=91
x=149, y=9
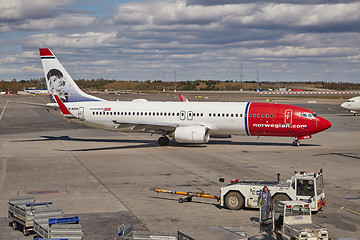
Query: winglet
x=63, y=108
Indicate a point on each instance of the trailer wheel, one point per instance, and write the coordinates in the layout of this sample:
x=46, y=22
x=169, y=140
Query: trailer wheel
x=181, y=200
x=25, y=231
x=14, y=225
x=279, y=197
x=234, y=200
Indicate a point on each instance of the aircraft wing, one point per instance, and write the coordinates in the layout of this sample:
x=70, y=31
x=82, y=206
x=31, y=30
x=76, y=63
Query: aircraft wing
x=154, y=127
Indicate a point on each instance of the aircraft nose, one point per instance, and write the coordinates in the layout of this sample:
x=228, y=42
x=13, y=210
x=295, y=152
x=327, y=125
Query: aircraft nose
x=344, y=105
x=324, y=124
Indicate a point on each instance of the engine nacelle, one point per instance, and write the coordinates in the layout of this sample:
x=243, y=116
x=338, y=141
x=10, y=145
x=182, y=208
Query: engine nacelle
x=192, y=134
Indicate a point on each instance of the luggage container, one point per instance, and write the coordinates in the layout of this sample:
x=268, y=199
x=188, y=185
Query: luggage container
x=21, y=211
x=212, y=233
x=56, y=226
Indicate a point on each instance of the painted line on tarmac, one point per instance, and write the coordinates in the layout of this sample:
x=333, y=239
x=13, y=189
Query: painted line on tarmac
x=2, y=113
x=248, y=175
x=344, y=208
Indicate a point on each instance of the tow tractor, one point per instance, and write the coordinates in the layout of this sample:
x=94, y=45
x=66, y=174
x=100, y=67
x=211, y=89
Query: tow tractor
x=291, y=220
x=304, y=186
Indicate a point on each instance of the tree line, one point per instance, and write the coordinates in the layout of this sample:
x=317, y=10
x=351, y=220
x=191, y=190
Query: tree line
x=197, y=85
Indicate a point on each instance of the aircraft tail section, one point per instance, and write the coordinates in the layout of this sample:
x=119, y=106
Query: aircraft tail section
x=59, y=82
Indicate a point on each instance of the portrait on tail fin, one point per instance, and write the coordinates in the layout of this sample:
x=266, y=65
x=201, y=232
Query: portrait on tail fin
x=57, y=83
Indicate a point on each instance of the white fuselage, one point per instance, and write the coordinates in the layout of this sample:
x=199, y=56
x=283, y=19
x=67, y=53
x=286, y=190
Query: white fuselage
x=226, y=118
x=353, y=104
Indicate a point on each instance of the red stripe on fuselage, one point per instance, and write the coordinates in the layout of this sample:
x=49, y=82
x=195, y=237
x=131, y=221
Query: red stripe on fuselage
x=270, y=119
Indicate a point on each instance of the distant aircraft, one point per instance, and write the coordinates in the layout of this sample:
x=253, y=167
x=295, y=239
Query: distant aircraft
x=353, y=105
x=188, y=122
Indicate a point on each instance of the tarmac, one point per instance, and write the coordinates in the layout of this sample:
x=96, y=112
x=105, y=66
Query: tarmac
x=106, y=178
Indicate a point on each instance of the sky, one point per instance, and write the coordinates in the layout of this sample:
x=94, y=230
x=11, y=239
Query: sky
x=265, y=40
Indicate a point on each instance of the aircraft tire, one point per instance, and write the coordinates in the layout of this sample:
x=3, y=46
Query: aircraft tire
x=163, y=141
x=296, y=143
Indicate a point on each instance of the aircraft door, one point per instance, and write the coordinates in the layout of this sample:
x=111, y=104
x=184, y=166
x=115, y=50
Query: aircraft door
x=288, y=116
x=190, y=115
x=182, y=115
x=81, y=113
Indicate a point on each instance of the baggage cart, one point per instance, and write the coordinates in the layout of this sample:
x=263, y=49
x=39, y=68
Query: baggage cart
x=21, y=212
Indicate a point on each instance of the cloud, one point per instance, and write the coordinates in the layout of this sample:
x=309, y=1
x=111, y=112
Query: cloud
x=198, y=38
x=86, y=40
x=30, y=9
x=59, y=22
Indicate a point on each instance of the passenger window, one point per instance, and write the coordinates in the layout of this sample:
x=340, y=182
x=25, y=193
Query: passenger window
x=240, y=115
x=232, y=115
x=209, y=114
x=258, y=115
x=177, y=114
x=304, y=114
x=249, y=115
x=271, y=115
x=262, y=115
x=267, y=115
x=201, y=114
x=218, y=114
x=107, y=113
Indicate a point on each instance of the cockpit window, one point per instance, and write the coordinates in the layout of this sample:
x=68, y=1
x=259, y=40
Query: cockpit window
x=309, y=115
x=350, y=100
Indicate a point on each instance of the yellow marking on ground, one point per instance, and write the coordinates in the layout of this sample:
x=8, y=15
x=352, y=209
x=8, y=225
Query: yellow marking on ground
x=249, y=175
x=330, y=109
x=345, y=208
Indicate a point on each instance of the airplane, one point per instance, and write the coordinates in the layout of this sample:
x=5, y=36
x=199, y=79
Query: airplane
x=186, y=122
x=353, y=105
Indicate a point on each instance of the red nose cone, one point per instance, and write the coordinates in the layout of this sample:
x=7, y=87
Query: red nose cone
x=325, y=124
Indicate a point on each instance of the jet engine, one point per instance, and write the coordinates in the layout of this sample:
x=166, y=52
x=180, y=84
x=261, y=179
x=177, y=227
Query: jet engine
x=192, y=134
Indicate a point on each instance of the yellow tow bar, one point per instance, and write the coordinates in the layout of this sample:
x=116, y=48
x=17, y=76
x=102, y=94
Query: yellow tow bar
x=189, y=195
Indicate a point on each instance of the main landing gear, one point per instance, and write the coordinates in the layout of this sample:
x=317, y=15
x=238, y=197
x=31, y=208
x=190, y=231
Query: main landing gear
x=163, y=141
x=296, y=143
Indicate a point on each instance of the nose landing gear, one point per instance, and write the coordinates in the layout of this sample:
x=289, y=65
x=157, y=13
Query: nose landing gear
x=296, y=143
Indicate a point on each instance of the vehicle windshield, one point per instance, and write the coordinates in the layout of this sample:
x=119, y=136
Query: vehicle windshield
x=305, y=187
x=319, y=185
x=297, y=210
